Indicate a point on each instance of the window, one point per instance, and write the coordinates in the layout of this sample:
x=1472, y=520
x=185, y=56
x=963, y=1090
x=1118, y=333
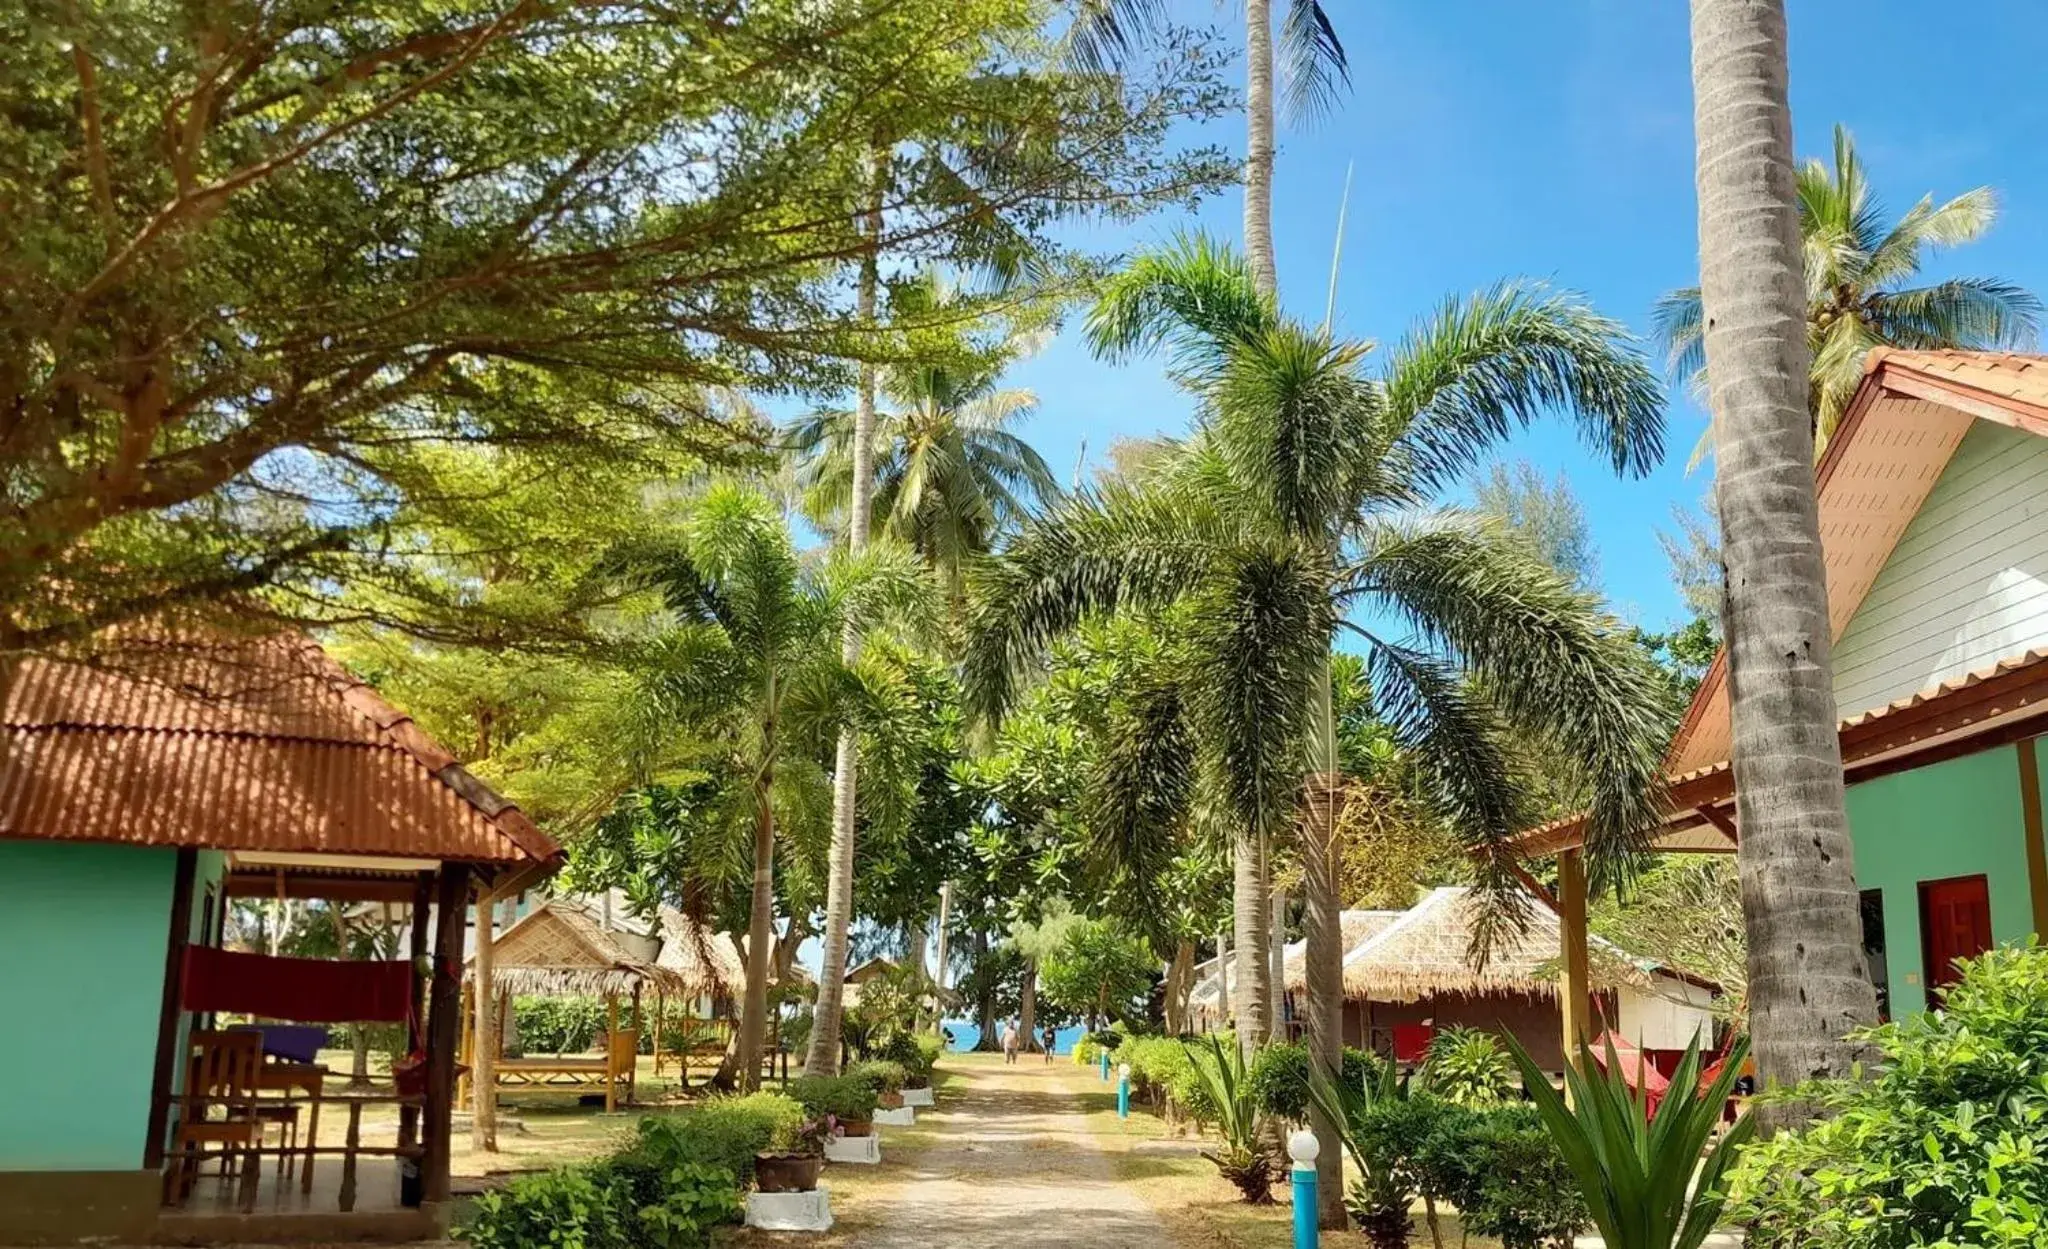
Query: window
x=1955, y=923
x=1874, y=950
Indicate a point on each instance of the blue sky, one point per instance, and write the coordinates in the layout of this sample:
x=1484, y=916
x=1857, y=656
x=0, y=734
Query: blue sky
x=1553, y=139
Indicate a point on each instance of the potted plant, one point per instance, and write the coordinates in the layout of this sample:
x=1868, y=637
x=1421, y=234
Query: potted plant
x=886, y=1078
x=795, y=1155
x=848, y=1099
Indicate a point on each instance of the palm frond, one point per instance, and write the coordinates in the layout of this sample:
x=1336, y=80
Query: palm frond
x=1482, y=366
x=1964, y=219
x=1675, y=322
x=1314, y=70
x=1976, y=313
x=1141, y=787
x=1193, y=298
x=1296, y=423
x=1096, y=551
x=1103, y=34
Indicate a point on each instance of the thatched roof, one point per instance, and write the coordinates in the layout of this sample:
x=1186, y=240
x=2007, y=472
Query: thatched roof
x=564, y=947
x=1425, y=952
x=1358, y=926
x=705, y=959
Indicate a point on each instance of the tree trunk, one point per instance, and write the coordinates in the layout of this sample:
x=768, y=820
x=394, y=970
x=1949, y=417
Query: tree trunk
x=939, y=972
x=823, y=1059
x=1180, y=978
x=986, y=1023
x=1276, y=961
x=1323, y=953
x=1807, y=979
x=1027, y=1007
x=760, y=923
x=1258, y=147
x=1250, y=1004
x=483, y=1082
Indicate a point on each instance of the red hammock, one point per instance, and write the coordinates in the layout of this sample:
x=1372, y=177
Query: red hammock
x=308, y=990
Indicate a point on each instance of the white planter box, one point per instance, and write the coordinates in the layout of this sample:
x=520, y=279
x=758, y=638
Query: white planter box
x=861, y=1149
x=917, y=1097
x=791, y=1212
x=900, y=1117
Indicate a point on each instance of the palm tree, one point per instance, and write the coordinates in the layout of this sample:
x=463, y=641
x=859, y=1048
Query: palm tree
x=751, y=665
x=1859, y=293
x=1808, y=983
x=950, y=476
x=1299, y=506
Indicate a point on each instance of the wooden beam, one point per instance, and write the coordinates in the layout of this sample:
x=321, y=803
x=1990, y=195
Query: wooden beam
x=1534, y=886
x=415, y=1033
x=2037, y=848
x=277, y=883
x=451, y=901
x=183, y=877
x=1574, y=998
x=483, y=1053
x=1722, y=820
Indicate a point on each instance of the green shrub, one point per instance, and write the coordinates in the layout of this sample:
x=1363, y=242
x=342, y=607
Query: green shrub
x=842, y=1097
x=1087, y=1051
x=1386, y=1138
x=557, y=1025
x=1163, y=1073
x=917, y=1053
x=1945, y=1142
x=723, y=1132
x=1467, y=1067
x=880, y=1075
x=1501, y=1168
x=1280, y=1077
x=1108, y=1038
x=573, y=1208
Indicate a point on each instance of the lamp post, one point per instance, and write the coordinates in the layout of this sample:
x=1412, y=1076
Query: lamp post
x=1303, y=1148
x=1105, y=1066
x=1123, y=1091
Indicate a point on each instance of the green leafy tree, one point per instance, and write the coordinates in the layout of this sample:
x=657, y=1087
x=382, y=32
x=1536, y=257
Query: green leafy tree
x=1860, y=269
x=1300, y=499
x=1098, y=969
x=259, y=255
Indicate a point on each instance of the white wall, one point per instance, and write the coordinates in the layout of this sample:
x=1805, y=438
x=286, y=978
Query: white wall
x=1967, y=584
x=1668, y=1019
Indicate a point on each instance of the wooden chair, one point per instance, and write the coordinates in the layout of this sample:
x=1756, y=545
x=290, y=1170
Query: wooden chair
x=223, y=1072
x=621, y=1056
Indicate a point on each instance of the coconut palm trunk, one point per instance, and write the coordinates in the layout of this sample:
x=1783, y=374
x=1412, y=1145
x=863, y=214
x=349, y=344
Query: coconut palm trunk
x=823, y=1059
x=1258, y=145
x=761, y=922
x=1251, y=1003
x=1808, y=982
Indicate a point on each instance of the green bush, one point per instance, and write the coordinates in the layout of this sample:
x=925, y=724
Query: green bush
x=1087, y=1051
x=1280, y=1077
x=1162, y=1072
x=573, y=1208
x=880, y=1075
x=842, y=1097
x=1386, y=1137
x=917, y=1053
x=1944, y=1142
x=669, y=1203
x=1108, y=1038
x=1467, y=1067
x=1501, y=1168
x=557, y=1025
x=723, y=1132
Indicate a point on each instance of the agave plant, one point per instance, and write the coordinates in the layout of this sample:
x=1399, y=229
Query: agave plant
x=1649, y=1178
x=1241, y=1155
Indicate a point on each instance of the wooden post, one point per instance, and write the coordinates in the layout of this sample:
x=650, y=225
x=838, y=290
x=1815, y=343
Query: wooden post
x=639, y=1028
x=465, y=1053
x=165, y=1073
x=660, y=1008
x=2037, y=848
x=451, y=901
x=415, y=1032
x=1571, y=918
x=611, y=1029
x=483, y=1061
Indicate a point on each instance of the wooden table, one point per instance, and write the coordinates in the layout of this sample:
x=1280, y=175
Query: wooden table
x=307, y=1078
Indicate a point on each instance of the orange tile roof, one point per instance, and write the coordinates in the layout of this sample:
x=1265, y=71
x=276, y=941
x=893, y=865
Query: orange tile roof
x=2020, y=377
x=237, y=743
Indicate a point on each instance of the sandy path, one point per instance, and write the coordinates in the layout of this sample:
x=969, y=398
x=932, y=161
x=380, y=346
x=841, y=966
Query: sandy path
x=1014, y=1166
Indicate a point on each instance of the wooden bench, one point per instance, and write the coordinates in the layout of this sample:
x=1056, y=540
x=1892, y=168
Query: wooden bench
x=613, y=1070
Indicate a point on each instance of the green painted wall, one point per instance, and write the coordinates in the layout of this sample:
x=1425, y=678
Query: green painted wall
x=1956, y=818
x=83, y=929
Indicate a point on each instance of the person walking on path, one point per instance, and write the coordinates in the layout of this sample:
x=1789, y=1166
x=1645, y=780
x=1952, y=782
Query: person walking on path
x=1052, y=1038
x=1011, y=1041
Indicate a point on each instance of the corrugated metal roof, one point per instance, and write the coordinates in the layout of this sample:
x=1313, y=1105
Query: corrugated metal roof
x=236, y=743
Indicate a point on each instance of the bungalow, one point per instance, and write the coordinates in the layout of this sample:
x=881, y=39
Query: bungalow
x=144, y=786
x=1934, y=526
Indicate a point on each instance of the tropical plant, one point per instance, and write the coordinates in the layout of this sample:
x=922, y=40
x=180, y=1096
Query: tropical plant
x=1503, y=1172
x=1098, y=969
x=1808, y=980
x=846, y=1098
x=1943, y=1141
x=1280, y=1077
x=1241, y=1154
x=950, y=476
x=1467, y=1067
x=1859, y=268
x=1650, y=1179
x=750, y=662
x=1299, y=504
x=1385, y=1125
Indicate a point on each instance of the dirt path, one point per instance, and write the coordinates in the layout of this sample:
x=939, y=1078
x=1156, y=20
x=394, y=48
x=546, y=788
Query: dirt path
x=1013, y=1165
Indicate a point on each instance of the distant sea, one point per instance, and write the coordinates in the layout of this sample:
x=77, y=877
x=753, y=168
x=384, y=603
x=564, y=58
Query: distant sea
x=966, y=1035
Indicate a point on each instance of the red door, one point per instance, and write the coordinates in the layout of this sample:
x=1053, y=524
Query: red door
x=1955, y=922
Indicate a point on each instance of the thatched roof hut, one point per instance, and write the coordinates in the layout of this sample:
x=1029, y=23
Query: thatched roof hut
x=1212, y=982
x=1425, y=951
x=565, y=947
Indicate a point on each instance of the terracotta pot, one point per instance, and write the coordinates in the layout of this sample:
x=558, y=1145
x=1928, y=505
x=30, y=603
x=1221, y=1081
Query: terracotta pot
x=889, y=1101
x=856, y=1127
x=787, y=1173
